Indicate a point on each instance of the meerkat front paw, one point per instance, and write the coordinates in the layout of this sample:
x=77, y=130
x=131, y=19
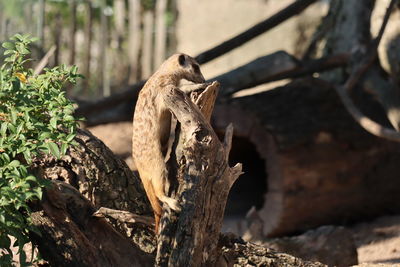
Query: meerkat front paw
x=172, y=203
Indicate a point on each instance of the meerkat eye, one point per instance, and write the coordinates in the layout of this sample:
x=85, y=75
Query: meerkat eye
x=196, y=68
x=181, y=60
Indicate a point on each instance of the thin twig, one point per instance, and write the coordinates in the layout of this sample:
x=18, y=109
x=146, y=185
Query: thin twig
x=43, y=62
x=124, y=216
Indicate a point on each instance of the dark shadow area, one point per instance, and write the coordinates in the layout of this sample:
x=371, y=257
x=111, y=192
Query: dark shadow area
x=250, y=188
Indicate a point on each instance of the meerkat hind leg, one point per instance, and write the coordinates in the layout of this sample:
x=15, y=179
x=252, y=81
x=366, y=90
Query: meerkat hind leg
x=159, y=192
x=154, y=202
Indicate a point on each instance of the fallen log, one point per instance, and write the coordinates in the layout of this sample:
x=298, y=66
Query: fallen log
x=318, y=166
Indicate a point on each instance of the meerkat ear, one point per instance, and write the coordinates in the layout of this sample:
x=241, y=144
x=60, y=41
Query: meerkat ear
x=181, y=60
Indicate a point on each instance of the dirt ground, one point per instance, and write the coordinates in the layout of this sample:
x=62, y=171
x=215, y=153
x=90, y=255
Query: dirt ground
x=377, y=241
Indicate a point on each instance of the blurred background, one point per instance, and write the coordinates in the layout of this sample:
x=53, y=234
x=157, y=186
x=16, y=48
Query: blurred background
x=120, y=42
x=307, y=162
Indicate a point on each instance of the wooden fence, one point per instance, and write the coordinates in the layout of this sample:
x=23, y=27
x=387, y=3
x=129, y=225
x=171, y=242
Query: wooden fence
x=113, y=43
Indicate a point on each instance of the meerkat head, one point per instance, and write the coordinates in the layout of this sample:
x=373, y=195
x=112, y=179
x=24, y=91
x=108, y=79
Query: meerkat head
x=185, y=67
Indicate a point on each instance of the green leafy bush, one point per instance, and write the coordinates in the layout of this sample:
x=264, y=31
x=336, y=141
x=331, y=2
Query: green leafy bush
x=35, y=119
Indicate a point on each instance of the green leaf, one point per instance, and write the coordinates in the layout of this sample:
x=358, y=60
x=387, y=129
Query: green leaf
x=3, y=128
x=14, y=163
x=44, y=135
x=8, y=45
x=18, y=37
x=31, y=178
x=54, y=149
x=70, y=137
x=27, y=156
x=64, y=148
x=69, y=118
x=6, y=158
x=53, y=123
x=74, y=70
x=13, y=116
x=12, y=128
x=19, y=128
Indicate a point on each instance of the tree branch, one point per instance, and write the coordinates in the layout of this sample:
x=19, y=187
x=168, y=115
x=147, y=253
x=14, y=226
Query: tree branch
x=293, y=9
x=43, y=62
x=365, y=122
x=372, y=52
x=368, y=124
x=124, y=216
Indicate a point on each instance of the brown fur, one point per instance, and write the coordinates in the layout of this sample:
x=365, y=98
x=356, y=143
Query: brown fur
x=151, y=128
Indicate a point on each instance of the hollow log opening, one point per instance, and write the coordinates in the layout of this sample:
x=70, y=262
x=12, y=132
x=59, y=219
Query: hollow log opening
x=250, y=188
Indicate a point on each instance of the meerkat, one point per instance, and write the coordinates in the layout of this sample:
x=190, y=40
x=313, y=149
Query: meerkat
x=152, y=125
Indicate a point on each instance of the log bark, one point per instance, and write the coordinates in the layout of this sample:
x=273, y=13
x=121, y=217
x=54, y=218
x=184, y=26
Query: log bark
x=102, y=178
x=71, y=236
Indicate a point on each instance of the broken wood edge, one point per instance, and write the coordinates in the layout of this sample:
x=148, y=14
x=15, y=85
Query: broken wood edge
x=206, y=100
x=45, y=60
x=236, y=170
x=124, y=216
x=228, y=139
